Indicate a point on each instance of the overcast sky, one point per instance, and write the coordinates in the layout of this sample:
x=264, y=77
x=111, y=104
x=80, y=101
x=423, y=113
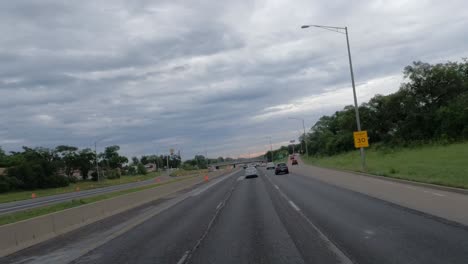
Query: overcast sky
x=214, y=76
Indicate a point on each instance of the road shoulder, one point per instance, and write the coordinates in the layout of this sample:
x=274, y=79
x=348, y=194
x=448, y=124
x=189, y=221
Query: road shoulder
x=445, y=204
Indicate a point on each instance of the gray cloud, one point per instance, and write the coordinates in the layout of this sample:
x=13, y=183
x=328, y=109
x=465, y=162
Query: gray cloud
x=214, y=75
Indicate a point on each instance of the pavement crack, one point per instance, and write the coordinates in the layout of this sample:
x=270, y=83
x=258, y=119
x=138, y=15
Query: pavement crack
x=189, y=253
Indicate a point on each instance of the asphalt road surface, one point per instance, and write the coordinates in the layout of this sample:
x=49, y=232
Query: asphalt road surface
x=10, y=207
x=270, y=219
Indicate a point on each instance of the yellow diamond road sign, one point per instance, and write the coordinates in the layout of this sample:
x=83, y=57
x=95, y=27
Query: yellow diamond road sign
x=361, y=139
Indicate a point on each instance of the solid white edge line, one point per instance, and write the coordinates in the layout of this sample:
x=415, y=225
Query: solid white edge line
x=213, y=183
x=293, y=205
x=331, y=246
x=183, y=258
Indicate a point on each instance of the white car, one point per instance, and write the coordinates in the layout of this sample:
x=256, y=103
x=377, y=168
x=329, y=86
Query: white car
x=270, y=166
x=251, y=172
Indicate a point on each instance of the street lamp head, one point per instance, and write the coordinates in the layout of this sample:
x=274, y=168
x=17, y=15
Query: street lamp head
x=305, y=26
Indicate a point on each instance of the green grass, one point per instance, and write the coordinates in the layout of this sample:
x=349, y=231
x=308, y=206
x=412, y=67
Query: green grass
x=437, y=164
x=181, y=172
x=82, y=185
x=283, y=160
x=23, y=215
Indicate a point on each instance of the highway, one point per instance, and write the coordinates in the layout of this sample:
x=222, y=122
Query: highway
x=11, y=207
x=293, y=218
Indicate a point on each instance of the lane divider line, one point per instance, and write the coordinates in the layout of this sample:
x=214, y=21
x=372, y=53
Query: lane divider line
x=331, y=246
x=91, y=243
x=213, y=183
x=293, y=205
x=188, y=254
x=184, y=257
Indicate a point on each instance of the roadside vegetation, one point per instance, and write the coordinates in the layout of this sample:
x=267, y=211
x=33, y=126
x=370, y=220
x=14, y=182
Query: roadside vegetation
x=45, y=171
x=437, y=164
x=183, y=172
x=416, y=133
x=73, y=187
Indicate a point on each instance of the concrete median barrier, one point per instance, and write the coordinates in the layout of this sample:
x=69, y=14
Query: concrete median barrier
x=23, y=234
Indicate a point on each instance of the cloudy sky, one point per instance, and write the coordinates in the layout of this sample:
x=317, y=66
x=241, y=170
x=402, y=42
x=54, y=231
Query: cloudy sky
x=214, y=76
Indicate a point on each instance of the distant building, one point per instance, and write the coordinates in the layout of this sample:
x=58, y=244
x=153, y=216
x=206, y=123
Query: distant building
x=151, y=167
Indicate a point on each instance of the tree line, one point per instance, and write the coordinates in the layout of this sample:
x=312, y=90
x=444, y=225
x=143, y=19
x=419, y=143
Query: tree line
x=430, y=106
x=36, y=168
x=202, y=162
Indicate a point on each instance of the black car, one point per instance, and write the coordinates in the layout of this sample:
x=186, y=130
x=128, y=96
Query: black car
x=281, y=168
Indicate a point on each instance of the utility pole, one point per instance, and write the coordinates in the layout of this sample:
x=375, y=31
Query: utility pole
x=95, y=157
x=168, y=162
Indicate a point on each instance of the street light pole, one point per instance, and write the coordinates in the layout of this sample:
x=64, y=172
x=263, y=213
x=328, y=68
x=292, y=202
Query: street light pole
x=305, y=137
x=356, y=109
x=271, y=149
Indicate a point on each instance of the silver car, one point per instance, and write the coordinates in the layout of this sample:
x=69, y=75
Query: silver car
x=270, y=166
x=251, y=172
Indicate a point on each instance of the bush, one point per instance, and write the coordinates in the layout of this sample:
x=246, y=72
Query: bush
x=8, y=184
x=55, y=181
x=94, y=176
x=113, y=174
x=187, y=166
x=131, y=170
x=141, y=169
x=4, y=184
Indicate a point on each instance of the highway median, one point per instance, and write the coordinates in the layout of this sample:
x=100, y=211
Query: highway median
x=19, y=230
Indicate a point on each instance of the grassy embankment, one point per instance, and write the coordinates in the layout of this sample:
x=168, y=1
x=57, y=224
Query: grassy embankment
x=437, y=164
x=82, y=185
x=181, y=172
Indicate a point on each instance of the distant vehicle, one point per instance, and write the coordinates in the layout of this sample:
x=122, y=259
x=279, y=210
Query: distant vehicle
x=251, y=172
x=291, y=157
x=270, y=166
x=294, y=162
x=281, y=168
x=244, y=166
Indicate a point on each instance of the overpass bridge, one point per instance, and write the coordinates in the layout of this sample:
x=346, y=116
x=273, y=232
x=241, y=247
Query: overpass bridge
x=234, y=163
